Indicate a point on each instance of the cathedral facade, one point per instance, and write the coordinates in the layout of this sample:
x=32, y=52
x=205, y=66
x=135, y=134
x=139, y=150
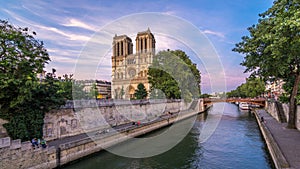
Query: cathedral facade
x=129, y=68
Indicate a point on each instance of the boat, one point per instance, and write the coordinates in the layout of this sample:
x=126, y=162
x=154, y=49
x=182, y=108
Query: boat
x=244, y=106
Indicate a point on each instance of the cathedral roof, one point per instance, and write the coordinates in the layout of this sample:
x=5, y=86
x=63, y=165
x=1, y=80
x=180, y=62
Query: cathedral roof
x=116, y=37
x=147, y=32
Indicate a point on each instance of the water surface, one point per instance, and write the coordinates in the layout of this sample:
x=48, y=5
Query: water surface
x=236, y=143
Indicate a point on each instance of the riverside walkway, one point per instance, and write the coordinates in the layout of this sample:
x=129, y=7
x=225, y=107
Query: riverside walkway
x=286, y=139
x=120, y=128
x=115, y=129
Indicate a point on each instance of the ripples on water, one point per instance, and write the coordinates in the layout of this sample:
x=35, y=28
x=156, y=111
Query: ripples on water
x=236, y=143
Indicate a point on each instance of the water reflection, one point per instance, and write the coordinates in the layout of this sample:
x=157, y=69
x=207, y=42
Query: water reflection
x=236, y=143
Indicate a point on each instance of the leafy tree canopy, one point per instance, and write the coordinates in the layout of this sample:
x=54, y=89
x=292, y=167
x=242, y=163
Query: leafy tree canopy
x=24, y=98
x=174, y=74
x=252, y=88
x=70, y=89
x=272, y=50
x=205, y=95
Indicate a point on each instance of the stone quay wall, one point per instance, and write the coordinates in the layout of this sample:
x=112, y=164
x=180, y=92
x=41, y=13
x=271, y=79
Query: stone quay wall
x=275, y=152
x=14, y=154
x=72, y=121
x=65, y=122
x=273, y=110
x=80, y=148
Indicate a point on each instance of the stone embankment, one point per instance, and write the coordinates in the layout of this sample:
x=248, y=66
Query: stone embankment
x=283, y=143
x=14, y=154
x=280, y=111
x=278, y=158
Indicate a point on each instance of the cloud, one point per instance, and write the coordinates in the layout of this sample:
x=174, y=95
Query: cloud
x=45, y=31
x=66, y=34
x=210, y=32
x=66, y=28
x=170, y=12
x=17, y=17
x=77, y=23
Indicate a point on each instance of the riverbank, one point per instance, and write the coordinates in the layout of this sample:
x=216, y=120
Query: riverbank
x=68, y=149
x=236, y=143
x=283, y=144
x=77, y=149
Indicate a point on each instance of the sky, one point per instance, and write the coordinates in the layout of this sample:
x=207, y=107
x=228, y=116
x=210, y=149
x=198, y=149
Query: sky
x=78, y=34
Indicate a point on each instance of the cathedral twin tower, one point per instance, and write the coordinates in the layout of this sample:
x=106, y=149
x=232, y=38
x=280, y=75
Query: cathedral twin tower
x=129, y=69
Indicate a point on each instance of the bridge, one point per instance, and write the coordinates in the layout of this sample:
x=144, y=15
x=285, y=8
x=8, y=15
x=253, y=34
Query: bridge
x=253, y=101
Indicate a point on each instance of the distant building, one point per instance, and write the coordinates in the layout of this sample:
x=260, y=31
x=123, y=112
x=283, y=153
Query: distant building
x=217, y=95
x=128, y=69
x=103, y=87
x=275, y=89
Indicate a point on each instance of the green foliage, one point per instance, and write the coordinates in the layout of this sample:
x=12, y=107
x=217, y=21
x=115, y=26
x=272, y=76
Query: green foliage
x=66, y=87
x=205, y=95
x=93, y=92
x=140, y=92
x=74, y=90
x=77, y=92
x=284, y=98
x=273, y=48
x=23, y=98
x=157, y=94
x=252, y=88
x=174, y=74
x=122, y=92
x=288, y=87
x=27, y=118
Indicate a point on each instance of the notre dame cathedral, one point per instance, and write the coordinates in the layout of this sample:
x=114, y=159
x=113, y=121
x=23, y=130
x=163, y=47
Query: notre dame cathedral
x=129, y=69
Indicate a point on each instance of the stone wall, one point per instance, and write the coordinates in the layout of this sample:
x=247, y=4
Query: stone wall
x=80, y=148
x=73, y=121
x=271, y=109
x=274, y=150
x=14, y=154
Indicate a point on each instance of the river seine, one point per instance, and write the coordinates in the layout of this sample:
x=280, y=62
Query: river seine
x=236, y=143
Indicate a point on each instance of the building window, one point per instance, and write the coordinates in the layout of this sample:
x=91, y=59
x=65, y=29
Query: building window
x=118, y=49
x=131, y=73
x=122, y=48
x=145, y=45
x=130, y=61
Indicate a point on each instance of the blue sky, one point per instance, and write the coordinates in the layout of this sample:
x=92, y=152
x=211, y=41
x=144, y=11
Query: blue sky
x=66, y=27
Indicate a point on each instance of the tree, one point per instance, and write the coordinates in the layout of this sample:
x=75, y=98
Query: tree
x=122, y=92
x=252, y=88
x=93, y=92
x=23, y=98
x=140, y=92
x=205, y=95
x=272, y=50
x=77, y=92
x=71, y=89
x=173, y=73
x=157, y=94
